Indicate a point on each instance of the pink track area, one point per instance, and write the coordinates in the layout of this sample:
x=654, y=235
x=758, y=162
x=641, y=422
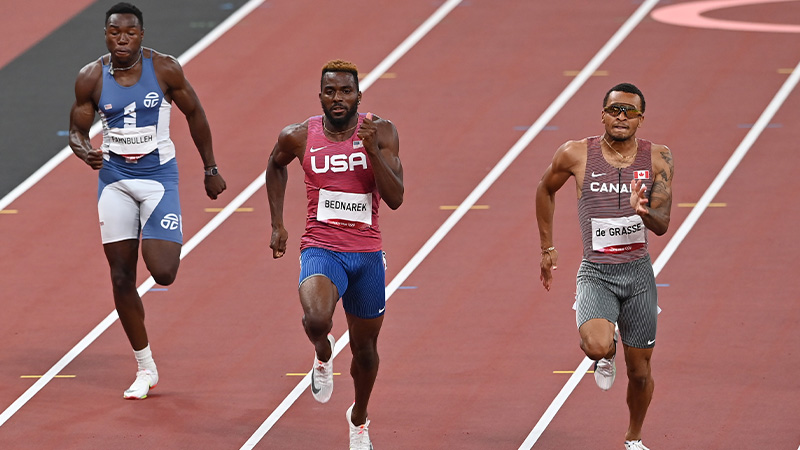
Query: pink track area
x=471, y=342
x=25, y=23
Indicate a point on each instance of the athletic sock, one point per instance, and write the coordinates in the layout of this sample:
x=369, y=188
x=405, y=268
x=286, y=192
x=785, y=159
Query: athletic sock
x=144, y=358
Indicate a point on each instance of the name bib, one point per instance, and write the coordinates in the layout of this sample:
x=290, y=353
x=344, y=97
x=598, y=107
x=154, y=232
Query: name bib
x=345, y=209
x=131, y=143
x=618, y=234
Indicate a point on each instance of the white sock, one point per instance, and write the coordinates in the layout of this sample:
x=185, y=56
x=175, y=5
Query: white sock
x=145, y=359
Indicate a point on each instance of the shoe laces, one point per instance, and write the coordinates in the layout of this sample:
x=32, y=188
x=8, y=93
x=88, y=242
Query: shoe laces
x=322, y=372
x=605, y=366
x=141, y=373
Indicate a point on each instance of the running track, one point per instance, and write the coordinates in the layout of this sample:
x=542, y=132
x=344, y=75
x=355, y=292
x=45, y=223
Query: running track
x=471, y=341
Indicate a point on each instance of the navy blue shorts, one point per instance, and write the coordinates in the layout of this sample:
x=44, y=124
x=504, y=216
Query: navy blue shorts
x=359, y=277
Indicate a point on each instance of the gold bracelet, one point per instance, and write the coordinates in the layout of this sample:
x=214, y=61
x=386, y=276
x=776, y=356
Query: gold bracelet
x=547, y=250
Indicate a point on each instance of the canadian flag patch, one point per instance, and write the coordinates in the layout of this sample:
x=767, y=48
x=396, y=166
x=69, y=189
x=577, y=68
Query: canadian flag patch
x=641, y=174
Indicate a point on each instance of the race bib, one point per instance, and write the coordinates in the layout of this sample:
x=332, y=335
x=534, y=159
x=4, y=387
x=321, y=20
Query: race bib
x=345, y=209
x=618, y=234
x=132, y=143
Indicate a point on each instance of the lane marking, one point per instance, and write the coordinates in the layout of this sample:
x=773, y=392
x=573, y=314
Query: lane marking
x=713, y=189
x=374, y=75
x=201, y=45
x=452, y=207
x=690, y=14
x=785, y=71
x=184, y=59
x=9, y=211
x=302, y=374
x=40, y=376
x=216, y=210
x=570, y=371
x=710, y=205
x=596, y=73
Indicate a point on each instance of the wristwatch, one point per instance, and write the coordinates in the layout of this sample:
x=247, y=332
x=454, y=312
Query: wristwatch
x=211, y=171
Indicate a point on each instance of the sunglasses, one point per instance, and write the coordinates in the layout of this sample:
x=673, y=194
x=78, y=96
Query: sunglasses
x=630, y=111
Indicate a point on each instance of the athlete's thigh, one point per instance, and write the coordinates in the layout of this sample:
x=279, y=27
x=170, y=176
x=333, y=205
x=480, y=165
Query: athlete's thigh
x=366, y=296
x=638, y=317
x=594, y=298
x=322, y=278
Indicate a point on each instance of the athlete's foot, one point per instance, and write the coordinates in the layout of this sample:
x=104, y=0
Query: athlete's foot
x=322, y=376
x=359, y=434
x=145, y=380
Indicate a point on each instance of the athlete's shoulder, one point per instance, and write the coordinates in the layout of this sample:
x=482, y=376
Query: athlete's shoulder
x=92, y=70
x=573, y=149
x=294, y=136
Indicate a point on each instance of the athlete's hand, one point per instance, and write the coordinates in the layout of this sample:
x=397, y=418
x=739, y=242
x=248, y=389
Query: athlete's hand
x=94, y=158
x=278, y=242
x=368, y=133
x=215, y=184
x=549, y=262
x=638, y=198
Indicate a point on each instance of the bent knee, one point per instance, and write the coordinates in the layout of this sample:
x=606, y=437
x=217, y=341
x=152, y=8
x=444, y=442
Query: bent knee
x=596, y=349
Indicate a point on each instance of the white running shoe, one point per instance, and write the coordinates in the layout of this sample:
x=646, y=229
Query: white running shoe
x=605, y=370
x=359, y=435
x=635, y=445
x=145, y=380
x=322, y=376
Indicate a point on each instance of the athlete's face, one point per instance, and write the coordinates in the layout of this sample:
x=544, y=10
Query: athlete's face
x=623, y=125
x=339, y=97
x=124, y=37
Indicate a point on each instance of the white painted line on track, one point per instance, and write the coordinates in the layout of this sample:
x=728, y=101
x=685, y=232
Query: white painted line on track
x=374, y=75
x=201, y=45
x=678, y=237
x=187, y=56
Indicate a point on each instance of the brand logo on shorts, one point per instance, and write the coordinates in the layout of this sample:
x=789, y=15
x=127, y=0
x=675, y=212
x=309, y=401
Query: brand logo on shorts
x=151, y=99
x=171, y=222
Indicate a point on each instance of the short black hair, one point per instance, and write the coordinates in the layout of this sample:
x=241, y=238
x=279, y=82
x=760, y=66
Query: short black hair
x=126, y=8
x=625, y=87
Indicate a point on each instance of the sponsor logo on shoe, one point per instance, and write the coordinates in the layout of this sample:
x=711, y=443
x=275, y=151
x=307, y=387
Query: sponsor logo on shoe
x=314, y=387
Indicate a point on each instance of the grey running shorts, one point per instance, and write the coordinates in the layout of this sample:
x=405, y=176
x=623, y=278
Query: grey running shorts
x=622, y=293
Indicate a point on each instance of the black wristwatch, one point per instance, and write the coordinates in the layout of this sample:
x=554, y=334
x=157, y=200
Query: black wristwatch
x=211, y=171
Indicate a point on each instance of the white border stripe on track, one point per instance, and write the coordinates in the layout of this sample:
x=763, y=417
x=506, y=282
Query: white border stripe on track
x=374, y=75
x=187, y=56
x=678, y=237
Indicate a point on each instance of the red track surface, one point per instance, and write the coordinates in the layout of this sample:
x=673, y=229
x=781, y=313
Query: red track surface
x=468, y=354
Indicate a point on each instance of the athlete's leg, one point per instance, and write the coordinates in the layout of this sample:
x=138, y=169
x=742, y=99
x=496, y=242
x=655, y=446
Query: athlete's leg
x=162, y=259
x=122, y=257
x=640, y=388
x=318, y=296
x=597, y=339
x=364, y=366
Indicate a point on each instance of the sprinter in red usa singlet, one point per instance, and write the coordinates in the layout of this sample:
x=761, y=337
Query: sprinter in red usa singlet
x=351, y=162
x=624, y=187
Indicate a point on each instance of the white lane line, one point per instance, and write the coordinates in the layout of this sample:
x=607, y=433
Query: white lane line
x=374, y=75
x=201, y=45
x=678, y=237
x=187, y=56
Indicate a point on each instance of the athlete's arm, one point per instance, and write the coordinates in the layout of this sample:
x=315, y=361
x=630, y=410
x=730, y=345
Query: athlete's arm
x=656, y=216
x=291, y=145
x=382, y=144
x=565, y=160
x=81, y=115
x=169, y=71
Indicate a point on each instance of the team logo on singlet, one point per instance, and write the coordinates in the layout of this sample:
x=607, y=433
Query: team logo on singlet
x=171, y=222
x=339, y=163
x=151, y=99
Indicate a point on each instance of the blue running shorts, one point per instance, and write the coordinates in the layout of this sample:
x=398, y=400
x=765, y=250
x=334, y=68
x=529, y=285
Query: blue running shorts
x=359, y=277
x=148, y=205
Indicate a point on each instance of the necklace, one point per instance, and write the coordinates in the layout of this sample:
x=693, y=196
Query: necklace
x=618, y=153
x=338, y=132
x=112, y=69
